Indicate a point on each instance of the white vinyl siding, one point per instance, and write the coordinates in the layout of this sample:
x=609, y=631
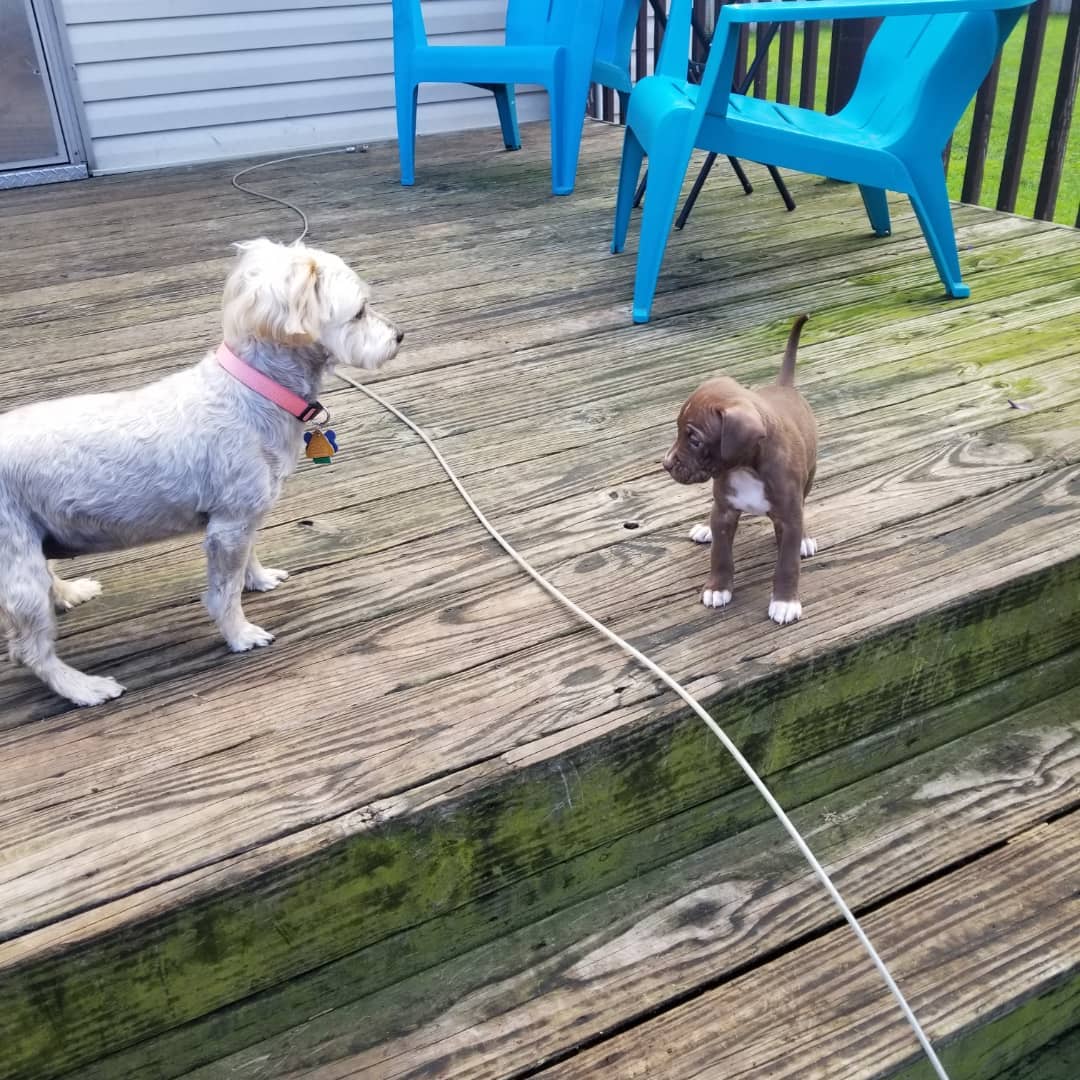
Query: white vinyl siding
x=167, y=82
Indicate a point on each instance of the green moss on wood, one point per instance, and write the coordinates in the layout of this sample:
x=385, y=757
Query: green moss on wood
x=1059, y=1060
x=986, y=1049
x=77, y=1006
x=346, y=1000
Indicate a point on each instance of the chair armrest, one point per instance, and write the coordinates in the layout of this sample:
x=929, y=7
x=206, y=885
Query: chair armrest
x=719, y=71
x=818, y=10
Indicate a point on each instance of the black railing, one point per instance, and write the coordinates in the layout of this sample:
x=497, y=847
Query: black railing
x=1018, y=147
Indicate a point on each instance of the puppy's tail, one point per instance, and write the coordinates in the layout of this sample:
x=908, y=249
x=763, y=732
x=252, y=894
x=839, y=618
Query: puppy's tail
x=787, y=368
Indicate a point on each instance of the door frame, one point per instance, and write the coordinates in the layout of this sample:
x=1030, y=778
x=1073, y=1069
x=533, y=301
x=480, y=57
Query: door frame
x=67, y=105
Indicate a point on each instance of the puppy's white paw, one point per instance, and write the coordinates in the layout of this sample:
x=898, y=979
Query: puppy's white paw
x=785, y=611
x=715, y=598
x=82, y=689
x=701, y=534
x=69, y=594
x=248, y=637
x=808, y=548
x=265, y=580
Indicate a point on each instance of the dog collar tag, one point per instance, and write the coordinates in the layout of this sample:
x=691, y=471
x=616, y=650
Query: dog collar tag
x=321, y=445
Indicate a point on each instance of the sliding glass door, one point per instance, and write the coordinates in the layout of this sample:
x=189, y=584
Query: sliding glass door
x=38, y=134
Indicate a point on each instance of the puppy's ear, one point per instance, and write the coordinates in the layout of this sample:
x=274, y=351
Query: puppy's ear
x=740, y=430
x=302, y=299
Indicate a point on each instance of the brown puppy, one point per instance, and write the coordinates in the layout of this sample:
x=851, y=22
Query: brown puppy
x=759, y=448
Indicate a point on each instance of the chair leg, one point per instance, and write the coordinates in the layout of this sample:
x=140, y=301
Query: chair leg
x=666, y=175
x=508, y=121
x=640, y=193
x=632, y=156
x=740, y=173
x=778, y=180
x=931, y=202
x=405, y=100
x=877, y=209
x=695, y=191
x=567, y=121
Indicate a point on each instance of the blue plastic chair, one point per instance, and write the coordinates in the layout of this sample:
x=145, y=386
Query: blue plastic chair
x=611, y=60
x=923, y=66
x=548, y=42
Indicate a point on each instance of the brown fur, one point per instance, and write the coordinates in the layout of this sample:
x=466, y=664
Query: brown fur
x=771, y=434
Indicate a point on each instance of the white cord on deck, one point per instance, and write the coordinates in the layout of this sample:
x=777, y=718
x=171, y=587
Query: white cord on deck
x=636, y=654
x=278, y=161
x=678, y=688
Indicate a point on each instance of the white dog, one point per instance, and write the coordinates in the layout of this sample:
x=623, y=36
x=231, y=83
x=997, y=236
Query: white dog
x=206, y=448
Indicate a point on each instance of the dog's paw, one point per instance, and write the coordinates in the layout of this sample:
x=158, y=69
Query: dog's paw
x=82, y=689
x=248, y=637
x=808, y=548
x=716, y=598
x=701, y=534
x=783, y=612
x=265, y=580
x=69, y=594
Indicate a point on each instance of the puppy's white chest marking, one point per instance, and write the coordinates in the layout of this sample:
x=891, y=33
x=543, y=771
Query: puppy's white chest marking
x=746, y=492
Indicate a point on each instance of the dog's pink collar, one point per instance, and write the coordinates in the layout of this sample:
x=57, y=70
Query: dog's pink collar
x=264, y=385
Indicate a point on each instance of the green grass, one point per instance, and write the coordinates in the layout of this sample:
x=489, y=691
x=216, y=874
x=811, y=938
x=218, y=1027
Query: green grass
x=1068, y=200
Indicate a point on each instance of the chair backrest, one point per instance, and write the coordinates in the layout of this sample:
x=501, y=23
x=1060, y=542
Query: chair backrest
x=921, y=71
x=544, y=22
x=572, y=24
x=617, y=25
x=408, y=23
x=533, y=22
x=611, y=60
x=528, y=22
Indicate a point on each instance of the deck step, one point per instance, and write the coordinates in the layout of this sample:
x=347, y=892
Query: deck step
x=989, y=956
x=964, y=861
x=461, y=861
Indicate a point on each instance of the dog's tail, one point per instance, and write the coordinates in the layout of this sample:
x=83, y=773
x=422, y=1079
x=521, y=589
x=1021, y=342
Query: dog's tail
x=787, y=369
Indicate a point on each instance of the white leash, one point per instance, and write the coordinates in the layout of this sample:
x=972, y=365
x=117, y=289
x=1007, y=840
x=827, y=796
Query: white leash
x=649, y=665
x=678, y=688
x=278, y=161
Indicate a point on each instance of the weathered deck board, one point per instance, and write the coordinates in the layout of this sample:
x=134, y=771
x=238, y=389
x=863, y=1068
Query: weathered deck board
x=422, y=703
x=569, y=308
x=960, y=946
x=129, y=962
x=500, y=616
x=596, y=968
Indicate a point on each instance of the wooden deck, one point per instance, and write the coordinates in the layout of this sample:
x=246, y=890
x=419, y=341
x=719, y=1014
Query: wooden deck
x=440, y=830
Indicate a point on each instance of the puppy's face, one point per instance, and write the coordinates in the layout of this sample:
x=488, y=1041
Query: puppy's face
x=718, y=429
x=298, y=296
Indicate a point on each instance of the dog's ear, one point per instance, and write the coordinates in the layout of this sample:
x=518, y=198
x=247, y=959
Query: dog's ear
x=737, y=432
x=260, y=246
x=272, y=294
x=302, y=298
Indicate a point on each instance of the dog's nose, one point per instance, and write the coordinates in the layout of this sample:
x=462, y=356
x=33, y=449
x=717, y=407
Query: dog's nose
x=400, y=336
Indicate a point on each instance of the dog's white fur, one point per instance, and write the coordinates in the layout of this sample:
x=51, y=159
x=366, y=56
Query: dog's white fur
x=196, y=450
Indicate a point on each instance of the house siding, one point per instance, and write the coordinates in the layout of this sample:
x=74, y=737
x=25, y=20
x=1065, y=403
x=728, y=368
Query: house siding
x=166, y=82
